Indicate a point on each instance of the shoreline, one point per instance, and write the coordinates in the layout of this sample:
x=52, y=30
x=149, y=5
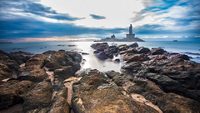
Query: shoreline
x=55, y=80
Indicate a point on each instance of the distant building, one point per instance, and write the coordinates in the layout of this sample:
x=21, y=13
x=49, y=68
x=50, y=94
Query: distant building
x=131, y=34
x=113, y=36
x=130, y=37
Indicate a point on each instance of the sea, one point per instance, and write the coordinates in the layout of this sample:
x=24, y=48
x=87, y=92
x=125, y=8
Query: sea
x=188, y=47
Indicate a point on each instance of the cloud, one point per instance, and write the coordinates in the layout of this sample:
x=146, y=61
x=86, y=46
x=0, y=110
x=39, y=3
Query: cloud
x=31, y=7
x=21, y=28
x=27, y=18
x=43, y=18
x=170, y=16
x=97, y=17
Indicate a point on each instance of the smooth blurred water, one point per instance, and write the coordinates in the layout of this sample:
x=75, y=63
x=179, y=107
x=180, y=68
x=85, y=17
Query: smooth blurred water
x=189, y=47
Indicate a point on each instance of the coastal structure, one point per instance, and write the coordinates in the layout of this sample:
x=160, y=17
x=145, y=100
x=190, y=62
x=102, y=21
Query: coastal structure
x=130, y=37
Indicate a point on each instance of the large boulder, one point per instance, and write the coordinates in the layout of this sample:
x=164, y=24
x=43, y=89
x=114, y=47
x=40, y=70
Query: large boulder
x=101, y=55
x=35, y=67
x=132, y=67
x=123, y=47
x=59, y=59
x=144, y=90
x=133, y=45
x=100, y=46
x=141, y=50
x=128, y=57
x=60, y=104
x=21, y=57
x=157, y=51
x=39, y=97
x=180, y=56
x=8, y=67
x=95, y=94
x=167, y=102
x=11, y=92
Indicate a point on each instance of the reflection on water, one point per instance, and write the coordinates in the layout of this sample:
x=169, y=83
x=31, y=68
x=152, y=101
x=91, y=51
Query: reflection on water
x=90, y=60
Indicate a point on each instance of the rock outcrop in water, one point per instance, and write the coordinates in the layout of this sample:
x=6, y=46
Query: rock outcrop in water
x=151, y=81
x=173, y=74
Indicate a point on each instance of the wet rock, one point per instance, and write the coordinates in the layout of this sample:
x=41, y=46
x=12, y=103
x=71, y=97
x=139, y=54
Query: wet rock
x=135, y=57
x=65, y=72
x=129, y=51
x=95, y=94
x=111, y=51
x=100, y=46
x=84, y=53
x=117, y=60
x=101, y=55
x=142, y=50
x=123, y=47
x=132, y=67
x=180, y=56
x=21, y=57
x=134, y=45
x=157, y=51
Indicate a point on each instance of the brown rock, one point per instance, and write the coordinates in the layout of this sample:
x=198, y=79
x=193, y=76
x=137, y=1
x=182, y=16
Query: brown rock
x=95, y=94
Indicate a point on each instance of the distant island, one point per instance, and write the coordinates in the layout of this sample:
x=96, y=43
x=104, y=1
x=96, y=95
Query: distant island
x=129, y=37
x=5, y=42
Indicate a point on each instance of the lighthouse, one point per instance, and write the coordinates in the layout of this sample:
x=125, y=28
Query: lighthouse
x=131, y=34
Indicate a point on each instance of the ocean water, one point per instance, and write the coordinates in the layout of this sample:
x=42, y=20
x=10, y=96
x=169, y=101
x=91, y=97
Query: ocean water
x=191, y=48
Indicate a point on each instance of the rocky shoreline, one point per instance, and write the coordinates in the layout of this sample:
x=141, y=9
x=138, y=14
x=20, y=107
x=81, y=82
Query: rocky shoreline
x=151, y=81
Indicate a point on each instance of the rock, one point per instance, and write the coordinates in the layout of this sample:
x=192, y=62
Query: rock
x=135, y=57
x=5, y=72
x=21, y=57
x=8, y=67
x=39, y=97
x=132, y=67
x=101, y=55
x=157, y=51
x=167, y=102
x=112, y=74
x=133, y=45
x=95, y=94
x=142, y=50
x=111, y=51
x=60, y=59
x=117, y=60
x=61, y=45
x=100, y=46
x=65, y=72
x=60, y=104
x=84, y=53
x=123, y=47
x=11, y=92
x=129, y=51
x=180, y=56
x=71, y=45
x=35, y=67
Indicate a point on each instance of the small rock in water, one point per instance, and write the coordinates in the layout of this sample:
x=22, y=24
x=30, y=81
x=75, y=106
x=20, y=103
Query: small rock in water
x=61, y=45
x=71, y=45
x=117, y=60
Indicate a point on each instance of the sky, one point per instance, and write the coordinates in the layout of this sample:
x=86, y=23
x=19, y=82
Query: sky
x=97, y=18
